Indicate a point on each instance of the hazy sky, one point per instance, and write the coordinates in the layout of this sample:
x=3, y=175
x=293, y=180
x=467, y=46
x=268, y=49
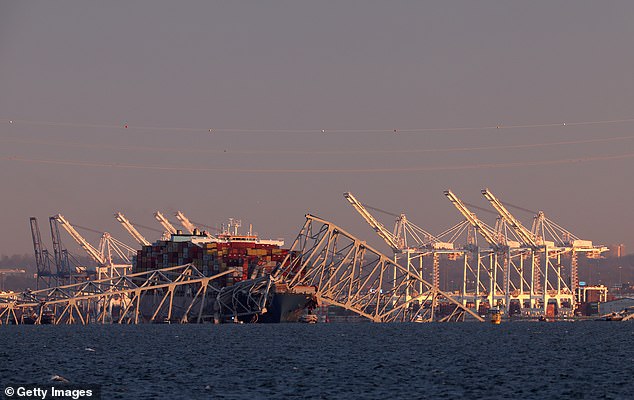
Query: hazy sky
x=268, y=76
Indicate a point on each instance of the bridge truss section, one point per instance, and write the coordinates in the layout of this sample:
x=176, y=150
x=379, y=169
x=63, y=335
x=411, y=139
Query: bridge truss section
x=177, y=294
x=350, y=274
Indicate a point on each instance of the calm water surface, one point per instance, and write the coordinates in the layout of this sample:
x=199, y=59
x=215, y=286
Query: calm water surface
x=580, y=360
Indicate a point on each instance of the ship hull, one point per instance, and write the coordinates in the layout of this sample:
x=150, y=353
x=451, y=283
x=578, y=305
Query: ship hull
x=287, y=307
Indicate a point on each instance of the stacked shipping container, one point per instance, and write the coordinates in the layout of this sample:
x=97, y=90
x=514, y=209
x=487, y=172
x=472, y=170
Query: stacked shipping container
x=211, y=258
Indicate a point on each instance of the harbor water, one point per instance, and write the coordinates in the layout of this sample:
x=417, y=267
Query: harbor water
x=527, y=360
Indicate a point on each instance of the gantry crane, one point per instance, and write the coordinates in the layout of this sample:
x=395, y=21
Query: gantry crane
x=378, y=227
x=544, y=229
x=169, y=228
x=563, y=240
x=192, y=228
x=535, y=245
x=524, y=234
x=103, y=256
x=92, y=252
x=498, y=249
x=60, y=254
x=409, y=239
x=108, y=244
x=396, y=244
x=42, y=257
x=127, y=225
x=185, y=222
x=483, y=229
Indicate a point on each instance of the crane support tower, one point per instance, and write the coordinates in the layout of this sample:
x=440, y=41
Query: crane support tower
x=42, y=258
x=492, y=270
x=61, y=255
x=532, y=248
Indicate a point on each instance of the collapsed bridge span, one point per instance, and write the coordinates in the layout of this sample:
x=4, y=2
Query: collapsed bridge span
x=348, y=273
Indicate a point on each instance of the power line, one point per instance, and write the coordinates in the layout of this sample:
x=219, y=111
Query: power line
x=317, y=152
x=207, y=130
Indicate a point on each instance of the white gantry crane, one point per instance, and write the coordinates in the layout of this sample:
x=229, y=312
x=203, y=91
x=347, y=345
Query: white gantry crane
x=192, y=228
x=127, y=225
x=394, y=242
x=528, y=239
x=92, y=252
x=550, y=244
x=497, y=255
x=169, y=228
x=104, y=255
x=563, y=241
x=185, y=222
x=483, y=229
x=534, y=246
x=409, y=241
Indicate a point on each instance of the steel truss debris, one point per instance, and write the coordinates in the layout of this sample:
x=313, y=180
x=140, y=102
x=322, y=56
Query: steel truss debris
x=249, y=297
x=175, y=294
x=344, y=271
x=350, y=274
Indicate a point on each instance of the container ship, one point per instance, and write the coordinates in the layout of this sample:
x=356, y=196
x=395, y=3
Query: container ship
x=249, y=256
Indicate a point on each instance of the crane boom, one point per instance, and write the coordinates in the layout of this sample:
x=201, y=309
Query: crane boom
x=185, y=222
x=386, y=235
x=165, y=223
x=526, y=236
x=484, y=230
x=131, y=229
x=92, y=252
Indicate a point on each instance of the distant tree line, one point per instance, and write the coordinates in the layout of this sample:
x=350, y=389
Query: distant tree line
x=24, y=261
x=19, y=282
